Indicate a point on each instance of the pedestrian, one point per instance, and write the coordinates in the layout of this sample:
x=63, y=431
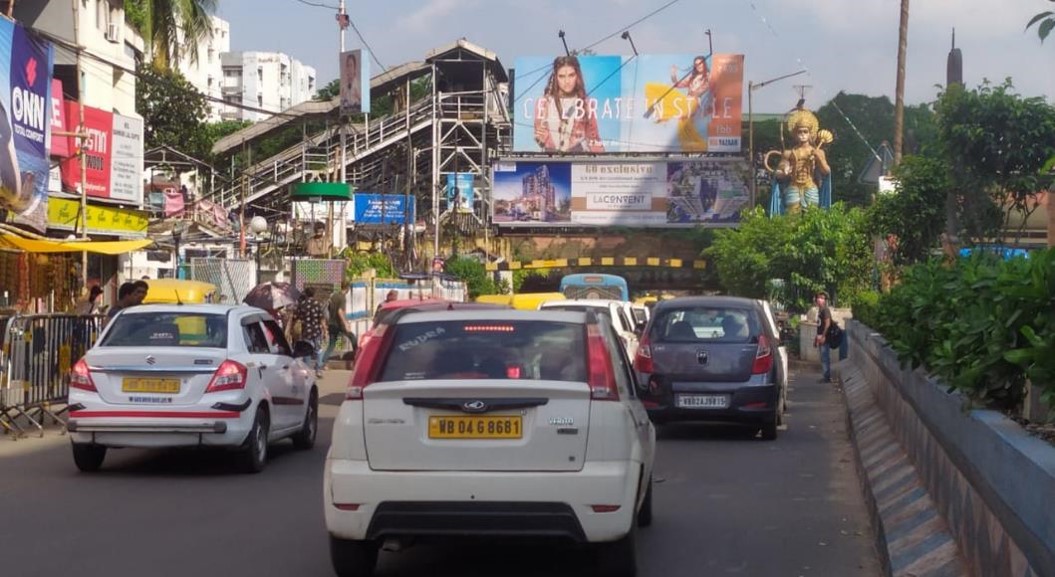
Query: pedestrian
x=391, y=296
x=335, y=322
x=312, y=326
x=824, y=322
x=90, y=304
x=129, y=295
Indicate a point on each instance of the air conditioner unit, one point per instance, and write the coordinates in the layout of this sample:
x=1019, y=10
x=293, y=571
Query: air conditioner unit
x=113, y=32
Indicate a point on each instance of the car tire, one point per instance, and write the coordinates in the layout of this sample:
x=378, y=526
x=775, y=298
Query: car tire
x=254, y=452
x=782, y=408
x=644, y=516
x=769, y=430
x=618, y=558
x=304, y=439
x=353, y=558
x=88, y=457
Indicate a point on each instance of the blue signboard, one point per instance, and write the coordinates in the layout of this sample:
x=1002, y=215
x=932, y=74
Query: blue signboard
x=460, y=195
x=382, y=208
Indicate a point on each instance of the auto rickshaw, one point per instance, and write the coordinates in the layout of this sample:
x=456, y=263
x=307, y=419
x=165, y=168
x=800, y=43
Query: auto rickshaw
x=189, y=292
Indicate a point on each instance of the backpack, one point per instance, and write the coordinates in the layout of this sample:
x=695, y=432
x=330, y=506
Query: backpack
x=834, y=338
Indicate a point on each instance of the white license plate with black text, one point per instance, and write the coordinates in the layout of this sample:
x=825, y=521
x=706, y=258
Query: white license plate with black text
x=703, y=401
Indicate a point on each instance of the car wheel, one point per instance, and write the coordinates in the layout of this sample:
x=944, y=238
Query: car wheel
x=644, y=516
x=254, y=454
x=304, y=439
x=353, y=558
x=782, y=407
x=88, y=457
x=769, y=430
x=619, y=558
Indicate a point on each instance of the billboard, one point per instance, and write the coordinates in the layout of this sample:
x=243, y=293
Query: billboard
x=645, y=103
x=650, y=193
x=114, y=155
x=25, y=95
x=382, y=208
x=355, y=82
x=460, y=194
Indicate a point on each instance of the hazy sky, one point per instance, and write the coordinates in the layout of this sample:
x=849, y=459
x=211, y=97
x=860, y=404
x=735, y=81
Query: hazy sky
x=846, y=45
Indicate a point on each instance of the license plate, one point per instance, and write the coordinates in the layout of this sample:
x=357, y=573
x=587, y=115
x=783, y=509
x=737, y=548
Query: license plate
x=703, y=401
x=476, y=427
x=138, y=385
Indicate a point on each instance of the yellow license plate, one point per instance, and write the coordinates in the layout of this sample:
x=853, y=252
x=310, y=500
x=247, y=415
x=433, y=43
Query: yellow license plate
x=138, y=385
x=476, y=427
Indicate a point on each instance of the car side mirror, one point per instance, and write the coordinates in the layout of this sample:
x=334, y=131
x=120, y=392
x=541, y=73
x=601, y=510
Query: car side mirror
x=303, y=349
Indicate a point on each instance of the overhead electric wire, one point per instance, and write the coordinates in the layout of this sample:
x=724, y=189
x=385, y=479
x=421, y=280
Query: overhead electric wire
x=367, y=44
x=317, y=4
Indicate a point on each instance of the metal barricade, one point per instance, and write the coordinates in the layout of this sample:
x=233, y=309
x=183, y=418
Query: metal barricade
x=35, y=361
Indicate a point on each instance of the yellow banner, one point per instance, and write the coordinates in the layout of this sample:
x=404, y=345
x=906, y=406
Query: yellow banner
x=63, y=214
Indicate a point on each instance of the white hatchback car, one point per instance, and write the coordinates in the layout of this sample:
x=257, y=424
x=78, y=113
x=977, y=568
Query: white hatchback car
x=501, y=423
x=620, y=313
x=189, y=376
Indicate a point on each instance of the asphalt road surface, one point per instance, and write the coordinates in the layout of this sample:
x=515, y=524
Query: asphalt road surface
x=725, y=504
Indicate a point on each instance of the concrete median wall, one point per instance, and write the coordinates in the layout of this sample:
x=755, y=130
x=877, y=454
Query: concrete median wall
x=991, y=481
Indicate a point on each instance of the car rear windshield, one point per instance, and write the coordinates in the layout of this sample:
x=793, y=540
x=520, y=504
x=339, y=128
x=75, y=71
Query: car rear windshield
x=487, y=349
x=706, y=324
x=167, y=329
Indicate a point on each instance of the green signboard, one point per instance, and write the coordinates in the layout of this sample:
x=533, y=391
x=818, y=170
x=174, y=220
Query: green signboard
x=322, y=191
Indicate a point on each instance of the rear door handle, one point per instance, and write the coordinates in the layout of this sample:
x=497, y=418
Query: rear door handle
x=285, y=367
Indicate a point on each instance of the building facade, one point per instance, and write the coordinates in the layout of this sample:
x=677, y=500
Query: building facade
x=269, y=81
x=206, y=72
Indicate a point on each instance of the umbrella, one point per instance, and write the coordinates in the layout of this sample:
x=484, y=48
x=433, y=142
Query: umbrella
x=272, y=296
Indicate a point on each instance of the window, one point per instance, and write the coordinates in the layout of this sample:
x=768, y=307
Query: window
x=487, y=349
x=164, y=329
x=260, y=100
x=707, y=324
x=277, y=339
x=255, y=339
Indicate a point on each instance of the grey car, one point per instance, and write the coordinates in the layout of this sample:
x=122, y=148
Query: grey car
x=712, y=358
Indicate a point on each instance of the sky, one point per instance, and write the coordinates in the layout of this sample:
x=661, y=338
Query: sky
x=845, y=45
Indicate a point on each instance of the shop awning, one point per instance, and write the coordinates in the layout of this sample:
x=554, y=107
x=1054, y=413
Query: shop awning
x=101, y=247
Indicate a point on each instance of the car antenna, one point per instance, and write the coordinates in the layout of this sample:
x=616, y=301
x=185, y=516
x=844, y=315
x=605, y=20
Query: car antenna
x=178, y=301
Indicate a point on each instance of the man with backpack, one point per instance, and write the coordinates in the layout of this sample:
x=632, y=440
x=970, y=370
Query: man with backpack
x=825, y=324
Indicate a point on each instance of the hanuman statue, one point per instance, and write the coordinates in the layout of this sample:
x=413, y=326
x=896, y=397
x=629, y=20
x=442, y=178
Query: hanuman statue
x=802, y=177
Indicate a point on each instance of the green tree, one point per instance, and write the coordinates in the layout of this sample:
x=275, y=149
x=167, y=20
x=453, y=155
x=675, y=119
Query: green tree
x=331, y=90
x=1045, y=22
x=915, y=213
x=474, y=274
x=999, y=147
x=171, y=28
x=820, y=249
x=173, y=111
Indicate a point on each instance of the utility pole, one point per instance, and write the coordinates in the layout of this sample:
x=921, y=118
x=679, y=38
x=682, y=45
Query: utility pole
x=899, y=91
x=342, y=24
x=83, y=140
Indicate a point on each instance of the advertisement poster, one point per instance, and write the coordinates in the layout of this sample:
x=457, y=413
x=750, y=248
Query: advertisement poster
x=99, y=125
x=460, y=195
x=645, y=103
x=646, y=194
x=355, y=75
x=58, y=145
x=25, y=97
x=382, y=208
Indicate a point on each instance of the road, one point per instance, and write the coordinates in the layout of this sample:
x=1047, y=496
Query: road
x=724, y=505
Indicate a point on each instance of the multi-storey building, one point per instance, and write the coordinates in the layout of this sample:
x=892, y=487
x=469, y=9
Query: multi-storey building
x=206, y=72
x=270, y=81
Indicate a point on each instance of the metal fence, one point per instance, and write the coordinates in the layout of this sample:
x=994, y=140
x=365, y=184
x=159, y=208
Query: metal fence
x=36, y=355
x=234, y=278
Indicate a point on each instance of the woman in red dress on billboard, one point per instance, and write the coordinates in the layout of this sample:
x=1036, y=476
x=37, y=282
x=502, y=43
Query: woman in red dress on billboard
x=564, y=122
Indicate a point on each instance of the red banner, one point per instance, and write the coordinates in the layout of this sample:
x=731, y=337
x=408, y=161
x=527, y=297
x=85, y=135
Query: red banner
x=60, y=145
x=99, y=125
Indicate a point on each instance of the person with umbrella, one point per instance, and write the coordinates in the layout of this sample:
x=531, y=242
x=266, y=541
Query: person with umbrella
x=273, y=297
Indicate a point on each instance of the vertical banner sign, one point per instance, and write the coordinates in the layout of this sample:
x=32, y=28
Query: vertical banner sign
x=460, y=194
x=126, y=163
x=58, y=145
x=99, y=126
x=25, y=103
x=355, y=82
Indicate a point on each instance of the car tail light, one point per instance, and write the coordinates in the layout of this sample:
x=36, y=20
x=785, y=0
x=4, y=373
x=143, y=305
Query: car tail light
x=81, y=377
x=366, y=365
x=643, y=360
x=602, y=375
x=229, y=376
x=605, y=508
x=763, y=358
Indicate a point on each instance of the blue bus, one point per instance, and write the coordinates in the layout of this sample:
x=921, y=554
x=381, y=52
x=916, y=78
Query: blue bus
x=594, y=286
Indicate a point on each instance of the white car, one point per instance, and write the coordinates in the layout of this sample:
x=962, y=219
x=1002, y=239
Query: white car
x=619, y=313
x=190, y=376
x=473, y=423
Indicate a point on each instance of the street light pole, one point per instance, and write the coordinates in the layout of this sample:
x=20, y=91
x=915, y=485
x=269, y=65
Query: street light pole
x=899, y=89
x=751, y=87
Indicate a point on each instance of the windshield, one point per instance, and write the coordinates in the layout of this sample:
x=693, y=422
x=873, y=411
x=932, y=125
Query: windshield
x=167, y=329
x=487, y=350
x=703, y=324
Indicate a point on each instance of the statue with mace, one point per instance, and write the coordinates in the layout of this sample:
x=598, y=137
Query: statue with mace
x=802, y=177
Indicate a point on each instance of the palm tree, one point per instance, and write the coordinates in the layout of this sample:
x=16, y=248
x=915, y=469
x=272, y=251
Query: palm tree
x=1045, y=22
x=172, y=28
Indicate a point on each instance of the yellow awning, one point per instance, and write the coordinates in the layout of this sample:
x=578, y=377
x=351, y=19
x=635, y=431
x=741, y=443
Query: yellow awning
x=101, y=247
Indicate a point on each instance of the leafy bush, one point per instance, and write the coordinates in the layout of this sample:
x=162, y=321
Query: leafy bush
x=360, y=262
x=474, y=274
x=866, y=308
x=982, y=325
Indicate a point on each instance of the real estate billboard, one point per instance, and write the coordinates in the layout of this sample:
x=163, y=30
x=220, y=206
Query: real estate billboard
x=652, y=193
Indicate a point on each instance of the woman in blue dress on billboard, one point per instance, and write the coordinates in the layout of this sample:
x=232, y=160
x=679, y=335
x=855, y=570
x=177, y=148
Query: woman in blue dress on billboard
x=564, y=121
